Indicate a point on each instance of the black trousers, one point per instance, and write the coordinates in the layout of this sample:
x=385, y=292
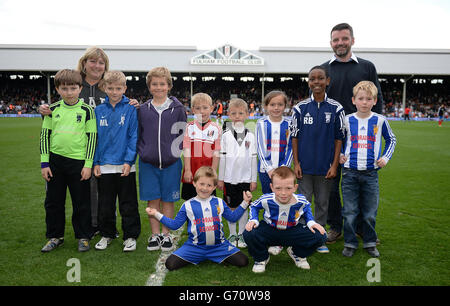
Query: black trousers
x=111, y=186
x=67, y=173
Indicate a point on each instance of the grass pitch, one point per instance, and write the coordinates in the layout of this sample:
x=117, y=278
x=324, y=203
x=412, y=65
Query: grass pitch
x=412, y=224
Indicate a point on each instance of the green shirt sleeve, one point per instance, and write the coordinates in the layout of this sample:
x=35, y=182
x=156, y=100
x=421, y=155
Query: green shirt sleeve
x=44, y=145
x=91, y=132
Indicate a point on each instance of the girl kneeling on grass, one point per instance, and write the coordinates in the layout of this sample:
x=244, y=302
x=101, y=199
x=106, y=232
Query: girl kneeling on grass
x=204, y=213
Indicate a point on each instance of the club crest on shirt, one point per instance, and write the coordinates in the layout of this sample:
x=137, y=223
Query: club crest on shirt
x=375, y=129
x=297, y=214
x=122, y=120
x=218, y=209
x=327, y=117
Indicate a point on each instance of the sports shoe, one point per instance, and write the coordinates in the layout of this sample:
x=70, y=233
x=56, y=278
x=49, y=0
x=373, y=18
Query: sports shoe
x=83, y=245
x=241, y=243
x=333, y=236
x=373, y=251
x=154, y=242
x=167, y=243
x=233, y=239
x=299, y=261
x=348, y=252
x=323, y=249
x=103, y=243
x=275, y=250
x=129, y=245
x=52, y=244
x=260, y=266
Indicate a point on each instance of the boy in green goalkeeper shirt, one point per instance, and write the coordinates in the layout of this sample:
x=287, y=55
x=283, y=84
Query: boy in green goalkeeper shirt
x=67, y=146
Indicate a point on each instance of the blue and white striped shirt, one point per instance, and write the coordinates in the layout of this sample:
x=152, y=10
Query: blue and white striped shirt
x=363, y=144
x=204, y=217
x=274, y=144
x=282, y=216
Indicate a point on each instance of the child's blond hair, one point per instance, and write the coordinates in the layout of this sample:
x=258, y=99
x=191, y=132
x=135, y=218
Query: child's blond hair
x=206, y=171
x=367, y=86
x=159, y=72
x=201, y=97
x=95, y=53
x=237, y=102
x=115, y=76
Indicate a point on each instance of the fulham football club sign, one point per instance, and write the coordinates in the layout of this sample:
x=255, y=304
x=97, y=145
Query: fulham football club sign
x=227, y=55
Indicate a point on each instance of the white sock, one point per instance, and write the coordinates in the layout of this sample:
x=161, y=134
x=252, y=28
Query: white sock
x=232, y=228
x=242, y=222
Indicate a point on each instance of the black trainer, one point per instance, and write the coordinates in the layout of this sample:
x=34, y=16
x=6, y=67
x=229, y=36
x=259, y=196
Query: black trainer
x=154, y=242
x=373, y=251
x=348, y=252
x=167, y=243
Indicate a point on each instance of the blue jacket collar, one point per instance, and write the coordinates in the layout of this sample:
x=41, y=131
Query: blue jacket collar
x=124, y=100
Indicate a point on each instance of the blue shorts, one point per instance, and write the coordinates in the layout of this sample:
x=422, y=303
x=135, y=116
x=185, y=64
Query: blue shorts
x=198, y=253
x=155, y=183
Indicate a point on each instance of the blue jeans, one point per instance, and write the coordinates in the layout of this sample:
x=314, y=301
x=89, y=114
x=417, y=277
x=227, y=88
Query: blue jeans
x=360, y=194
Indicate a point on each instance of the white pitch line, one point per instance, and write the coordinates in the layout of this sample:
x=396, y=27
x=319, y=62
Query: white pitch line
x=157, y=278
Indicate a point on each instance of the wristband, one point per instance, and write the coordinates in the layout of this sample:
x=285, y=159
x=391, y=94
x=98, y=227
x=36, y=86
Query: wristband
x=45, y=165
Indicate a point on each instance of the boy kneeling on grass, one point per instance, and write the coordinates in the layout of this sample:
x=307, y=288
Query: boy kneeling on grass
x=204, y=214
x=284, y=213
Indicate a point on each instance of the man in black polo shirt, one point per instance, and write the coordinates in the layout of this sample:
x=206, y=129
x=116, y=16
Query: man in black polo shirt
x=345, y=70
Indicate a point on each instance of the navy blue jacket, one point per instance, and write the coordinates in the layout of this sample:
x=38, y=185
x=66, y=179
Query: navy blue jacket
x=317, y=126
x=345, y=75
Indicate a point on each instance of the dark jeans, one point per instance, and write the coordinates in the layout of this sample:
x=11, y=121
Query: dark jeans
x=360, y=193
x=334, y=218
x=303, y=241
x=67, y=173
x=94, y=200
x=111, y=186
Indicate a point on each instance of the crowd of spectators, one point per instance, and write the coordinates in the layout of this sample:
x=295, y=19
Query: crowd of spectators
x=24, y=95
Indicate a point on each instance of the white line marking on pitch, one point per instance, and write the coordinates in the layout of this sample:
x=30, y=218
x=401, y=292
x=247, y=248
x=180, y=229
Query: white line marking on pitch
x=157, y=278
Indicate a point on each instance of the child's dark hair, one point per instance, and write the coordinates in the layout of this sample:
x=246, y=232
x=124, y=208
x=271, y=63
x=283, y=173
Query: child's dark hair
x=68, y=77
x=319, y=68
x=273, y=94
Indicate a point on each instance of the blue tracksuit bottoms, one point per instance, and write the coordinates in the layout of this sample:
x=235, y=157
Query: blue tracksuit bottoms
x=303, y=241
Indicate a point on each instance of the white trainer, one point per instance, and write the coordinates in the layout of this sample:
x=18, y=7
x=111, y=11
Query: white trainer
x=260, y=266
x=275, y=250
x=299, y=261
x=129, y=245
x=103, y=243
x=241, y=243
